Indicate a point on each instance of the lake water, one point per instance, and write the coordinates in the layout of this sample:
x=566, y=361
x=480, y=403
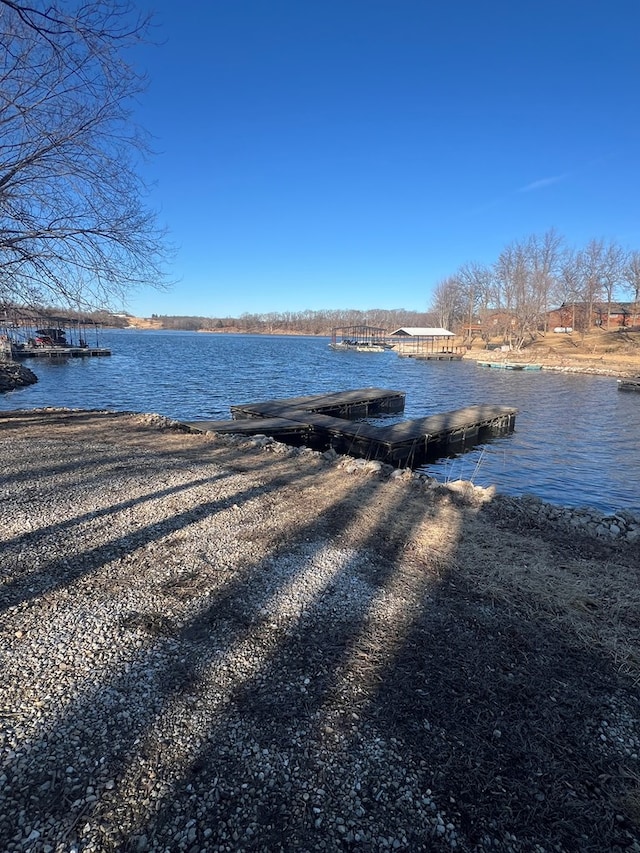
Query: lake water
x=576, y=440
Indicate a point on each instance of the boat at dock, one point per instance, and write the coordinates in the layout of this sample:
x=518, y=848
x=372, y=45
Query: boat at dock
x=31, y=334
x=359, y=339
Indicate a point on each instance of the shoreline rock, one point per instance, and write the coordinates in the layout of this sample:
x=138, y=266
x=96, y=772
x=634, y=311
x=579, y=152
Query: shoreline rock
x=619, y=525
x=14, y=375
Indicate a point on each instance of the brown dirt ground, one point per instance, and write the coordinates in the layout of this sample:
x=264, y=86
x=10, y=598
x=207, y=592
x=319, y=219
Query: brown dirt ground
x=613, y=352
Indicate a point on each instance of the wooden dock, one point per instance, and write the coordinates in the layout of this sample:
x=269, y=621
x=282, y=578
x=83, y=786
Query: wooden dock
x=361, y=403
x=326, y=421
x=629, y=384
x=432, y=356
x=58, y=352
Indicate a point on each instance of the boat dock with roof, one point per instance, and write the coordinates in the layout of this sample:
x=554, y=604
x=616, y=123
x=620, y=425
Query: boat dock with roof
x=327, y=421
x=359, y=338
x=426, y=343
x=28, y=333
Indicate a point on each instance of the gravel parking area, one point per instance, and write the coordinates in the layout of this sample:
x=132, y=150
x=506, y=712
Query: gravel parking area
x=220, y=644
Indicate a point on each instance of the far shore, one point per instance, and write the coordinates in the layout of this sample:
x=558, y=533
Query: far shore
x=600, y=352
x=597, y=366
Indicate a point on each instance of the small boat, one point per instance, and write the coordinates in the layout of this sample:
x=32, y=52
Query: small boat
x=357, y=346
x=359, y=339
x=510, y=365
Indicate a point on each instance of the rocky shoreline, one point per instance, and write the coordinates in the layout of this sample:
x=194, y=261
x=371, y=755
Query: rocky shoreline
x=623, y=524
x=14, y=375
x=213, y=643
x=592, y=366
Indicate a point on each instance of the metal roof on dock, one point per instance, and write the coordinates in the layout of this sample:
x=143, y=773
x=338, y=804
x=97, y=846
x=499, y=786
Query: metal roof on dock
x=421, y=332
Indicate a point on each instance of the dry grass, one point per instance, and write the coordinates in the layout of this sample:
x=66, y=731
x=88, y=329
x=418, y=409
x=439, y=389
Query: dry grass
x=586, y=588
x=615, y=352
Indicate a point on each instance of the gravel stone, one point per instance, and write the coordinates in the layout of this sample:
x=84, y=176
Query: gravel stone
x=210, y=644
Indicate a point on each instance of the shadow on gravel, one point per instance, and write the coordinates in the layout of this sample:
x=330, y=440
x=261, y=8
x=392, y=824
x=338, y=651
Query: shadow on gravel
x=63, y=571
x=61, y=528
x=98, y=740
x=360, y=688
x=461, y=720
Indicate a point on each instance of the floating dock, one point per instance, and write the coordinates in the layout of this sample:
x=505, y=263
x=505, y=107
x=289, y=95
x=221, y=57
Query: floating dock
x=361, y=403
x=432, y=356
x=326, y=421
x=629, y=384
x=509, y=365
x=18, y=352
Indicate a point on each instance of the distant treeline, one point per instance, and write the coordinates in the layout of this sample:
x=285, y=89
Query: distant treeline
x=300, y=322
x=14, y=312
x=274, y=322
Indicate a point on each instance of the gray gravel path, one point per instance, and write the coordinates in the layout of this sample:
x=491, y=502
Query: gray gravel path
x=209, y=644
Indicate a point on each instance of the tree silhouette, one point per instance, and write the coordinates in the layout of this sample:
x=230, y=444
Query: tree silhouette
x=74, y=223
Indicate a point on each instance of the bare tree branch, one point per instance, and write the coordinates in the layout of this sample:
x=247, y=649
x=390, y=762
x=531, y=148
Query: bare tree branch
x=74, y=222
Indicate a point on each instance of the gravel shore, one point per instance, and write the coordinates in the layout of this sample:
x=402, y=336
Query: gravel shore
x=219, y=644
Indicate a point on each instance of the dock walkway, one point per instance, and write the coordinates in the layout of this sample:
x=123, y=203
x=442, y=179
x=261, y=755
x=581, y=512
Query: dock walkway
x=325, y=421
x=58, y=352
x=629, y=384
x=432, y=356
x=360, y=403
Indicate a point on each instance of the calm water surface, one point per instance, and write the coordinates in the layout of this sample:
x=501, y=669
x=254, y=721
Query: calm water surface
x=576, y=440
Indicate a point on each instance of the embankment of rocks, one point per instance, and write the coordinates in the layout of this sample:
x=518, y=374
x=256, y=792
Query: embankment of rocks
x=623, y=525
x=14, y=375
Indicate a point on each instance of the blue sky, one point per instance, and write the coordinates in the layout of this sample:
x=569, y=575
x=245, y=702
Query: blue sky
x=351, y=153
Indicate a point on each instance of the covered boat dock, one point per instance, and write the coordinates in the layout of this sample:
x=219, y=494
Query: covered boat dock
x=30, y=333
x=425, y=342
x=359, y=338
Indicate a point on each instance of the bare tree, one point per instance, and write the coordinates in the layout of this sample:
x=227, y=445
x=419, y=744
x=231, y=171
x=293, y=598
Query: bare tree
x=513, y=279
x=74, y=223
x=567, y=291
x=589, y=264
x=631, y=280
x=613, y=260
x=474, y=281
x=447, y=303
x=544, y=255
